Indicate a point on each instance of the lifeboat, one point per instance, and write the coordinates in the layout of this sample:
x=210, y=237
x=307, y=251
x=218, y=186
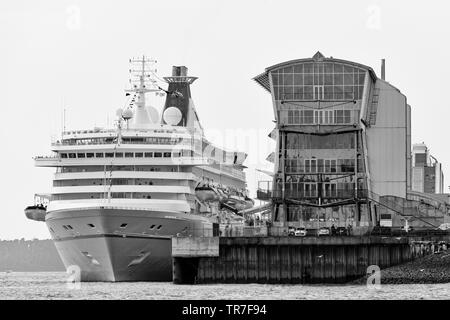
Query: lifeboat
x=239, y=201
x=36, y=212
x=206, y=193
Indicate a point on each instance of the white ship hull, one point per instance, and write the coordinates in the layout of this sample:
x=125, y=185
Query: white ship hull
x=107, y=252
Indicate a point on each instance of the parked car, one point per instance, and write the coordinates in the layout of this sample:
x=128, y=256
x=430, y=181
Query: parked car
x=301, y=232
x=341, y=231
x=291, y=231
x=323, y=232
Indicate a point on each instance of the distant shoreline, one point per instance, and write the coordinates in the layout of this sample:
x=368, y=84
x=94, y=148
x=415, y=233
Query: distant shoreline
x=29, y=256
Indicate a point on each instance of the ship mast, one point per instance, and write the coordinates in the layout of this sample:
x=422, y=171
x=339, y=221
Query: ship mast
x=142, y=82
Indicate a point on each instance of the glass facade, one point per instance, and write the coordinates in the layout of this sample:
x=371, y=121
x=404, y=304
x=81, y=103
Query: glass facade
x=305, y=190
x=312, y=218
x=320, y=173
x=320, y=166
x=318, y=81
x=296, y=142
x=305, y=116
x=299, y=187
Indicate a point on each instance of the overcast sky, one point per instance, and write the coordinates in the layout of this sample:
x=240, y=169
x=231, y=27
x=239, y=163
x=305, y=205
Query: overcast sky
x=74, y=54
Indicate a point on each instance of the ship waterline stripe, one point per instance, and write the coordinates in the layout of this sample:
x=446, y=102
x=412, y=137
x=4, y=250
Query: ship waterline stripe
x=112, y=235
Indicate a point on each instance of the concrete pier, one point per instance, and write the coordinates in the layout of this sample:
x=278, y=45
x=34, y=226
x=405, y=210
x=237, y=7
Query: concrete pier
x=283, y=259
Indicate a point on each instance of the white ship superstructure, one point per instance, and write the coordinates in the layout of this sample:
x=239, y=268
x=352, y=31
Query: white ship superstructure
x=120, y=194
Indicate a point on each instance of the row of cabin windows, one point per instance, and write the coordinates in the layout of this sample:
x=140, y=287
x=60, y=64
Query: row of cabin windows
x=184, y=153
x=100, y=182
x=116, y=195
x=119, y=182
x=118, y=168
x=133, y=140
x=122, y=226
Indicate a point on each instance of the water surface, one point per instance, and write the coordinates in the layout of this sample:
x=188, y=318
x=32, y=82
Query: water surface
x=53, y=285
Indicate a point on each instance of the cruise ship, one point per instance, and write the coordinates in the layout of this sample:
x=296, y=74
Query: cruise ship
x=119, y=195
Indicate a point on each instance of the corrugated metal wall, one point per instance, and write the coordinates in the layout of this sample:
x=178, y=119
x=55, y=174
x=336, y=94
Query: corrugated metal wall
x=387, y=143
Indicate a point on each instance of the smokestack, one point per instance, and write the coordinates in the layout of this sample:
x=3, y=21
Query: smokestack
x=180, y=71
x=383, y=69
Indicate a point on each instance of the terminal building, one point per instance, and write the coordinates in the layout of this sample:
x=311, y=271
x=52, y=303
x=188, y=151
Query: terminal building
x=343, y=145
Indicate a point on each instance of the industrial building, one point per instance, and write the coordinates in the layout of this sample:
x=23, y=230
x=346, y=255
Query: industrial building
x=427, y=174
x=343, y=145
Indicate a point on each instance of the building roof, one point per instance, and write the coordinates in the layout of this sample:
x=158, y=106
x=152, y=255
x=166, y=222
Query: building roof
x=263, y=78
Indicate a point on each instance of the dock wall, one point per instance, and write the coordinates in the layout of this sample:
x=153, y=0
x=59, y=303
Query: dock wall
x=285, y=259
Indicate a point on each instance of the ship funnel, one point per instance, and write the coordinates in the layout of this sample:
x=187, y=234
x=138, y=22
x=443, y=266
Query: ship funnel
x=383, y=69
x=179, y=71
x=177, y=109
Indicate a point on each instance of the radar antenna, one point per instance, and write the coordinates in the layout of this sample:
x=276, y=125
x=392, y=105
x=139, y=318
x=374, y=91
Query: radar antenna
x=141, y=79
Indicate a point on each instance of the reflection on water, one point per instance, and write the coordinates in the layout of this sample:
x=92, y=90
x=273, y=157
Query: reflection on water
x=50, y=285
